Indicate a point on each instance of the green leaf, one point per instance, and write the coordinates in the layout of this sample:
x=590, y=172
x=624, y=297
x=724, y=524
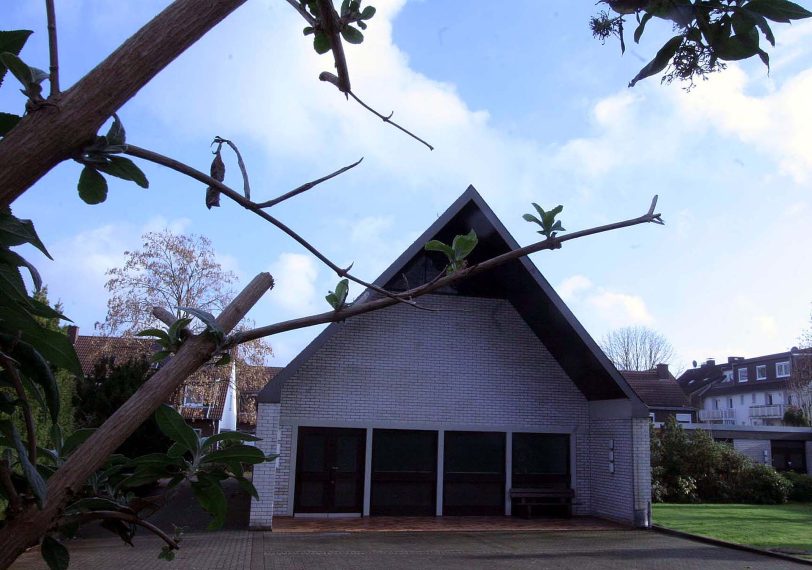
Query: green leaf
x=241, y=453
x=92, y=186
x=175, y=428
x=321, y=43
x=228, y=436
x=33, y=365
x=35, y=480
x=54, y=553
x=641, y=27
x=210, y=495
x=55, y=347
x=345, y=8
x=116, y=135
x=9, y=257
x=124, y=168
x=12, y=41
x=367, y=12
x=158, y=333
x=18, y=68
x=76, y=439
x=338, y=297
x=247, y=486
x=92, y=504
x=8, y=122
x=734, y=48
x=778, y=10
x=463, y=245
x=208, y=319
x=160, y=355
x=660, y=60
x=531, y=218
x=308, y=30
x=14, y=231
x=352, y=35
x=437, y=245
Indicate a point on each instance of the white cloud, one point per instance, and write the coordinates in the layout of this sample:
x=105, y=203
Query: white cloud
x=370, y=229
x=294, y=288
x=620, y=309
x=571, y=287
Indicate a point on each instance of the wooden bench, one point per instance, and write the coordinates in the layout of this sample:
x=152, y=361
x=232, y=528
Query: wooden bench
x=542, y=497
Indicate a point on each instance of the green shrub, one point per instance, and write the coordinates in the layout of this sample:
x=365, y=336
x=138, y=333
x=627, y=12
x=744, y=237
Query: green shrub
x=761, y=485
x=794, y=416
x=801, y=486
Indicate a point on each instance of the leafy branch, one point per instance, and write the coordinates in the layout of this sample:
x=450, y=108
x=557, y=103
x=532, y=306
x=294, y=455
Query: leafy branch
x=546, y=220
x=460, y=248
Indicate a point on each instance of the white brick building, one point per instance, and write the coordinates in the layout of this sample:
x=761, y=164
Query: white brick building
x=404, y=411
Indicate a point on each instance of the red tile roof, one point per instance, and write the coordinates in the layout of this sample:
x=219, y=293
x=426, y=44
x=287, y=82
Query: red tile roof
x=656, y=392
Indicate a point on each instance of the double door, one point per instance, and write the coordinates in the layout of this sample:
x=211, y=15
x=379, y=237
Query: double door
x=330, y=470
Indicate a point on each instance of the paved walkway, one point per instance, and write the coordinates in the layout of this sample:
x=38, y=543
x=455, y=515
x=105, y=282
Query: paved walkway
x=581, y=550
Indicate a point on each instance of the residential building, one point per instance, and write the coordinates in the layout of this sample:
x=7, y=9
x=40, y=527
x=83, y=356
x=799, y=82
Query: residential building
x=662, y=394
x=208, y=400
x=494, y=387
x=744, y=391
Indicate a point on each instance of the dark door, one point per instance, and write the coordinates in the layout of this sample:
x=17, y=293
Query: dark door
x=474, y=473
x=330, y=470
x=789, y=455
x=404, y=472
x=541, y=461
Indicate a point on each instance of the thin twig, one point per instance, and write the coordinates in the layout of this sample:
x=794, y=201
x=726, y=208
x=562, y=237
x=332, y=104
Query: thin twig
x=375, y=304
x=8, y=365
x=245, y=182
x=331, y=78
x=178, y=166
x=307, y=186
x=130, y=518
x=53, y=48
x=14, y=501
x=303, y=12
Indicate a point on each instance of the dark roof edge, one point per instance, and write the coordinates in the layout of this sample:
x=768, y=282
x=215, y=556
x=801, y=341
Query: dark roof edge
x=272, y=393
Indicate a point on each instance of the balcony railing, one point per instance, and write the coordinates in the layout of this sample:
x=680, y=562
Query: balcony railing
x=767, y=412
x=716, y=415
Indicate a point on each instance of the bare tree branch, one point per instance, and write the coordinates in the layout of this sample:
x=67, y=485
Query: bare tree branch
x=30, y=428
x=303, y=12
x=53, y=48
x=307, y=186
x=178, y=166
x=331, y=78
x=373, y=305
x=126, y=517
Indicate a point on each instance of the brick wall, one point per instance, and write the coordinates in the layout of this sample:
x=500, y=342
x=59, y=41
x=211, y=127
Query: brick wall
x=265, y=475
x=473, y=364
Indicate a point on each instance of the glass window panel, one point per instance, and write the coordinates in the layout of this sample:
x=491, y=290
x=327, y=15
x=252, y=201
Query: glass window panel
x=311, y=494
x=403, y=494
x=539, y=453
x=474, y=452
x=404, y=451
x=347, y=453
x=313, y=452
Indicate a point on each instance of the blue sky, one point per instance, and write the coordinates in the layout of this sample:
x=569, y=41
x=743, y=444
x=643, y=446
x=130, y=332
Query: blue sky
x=521, y=102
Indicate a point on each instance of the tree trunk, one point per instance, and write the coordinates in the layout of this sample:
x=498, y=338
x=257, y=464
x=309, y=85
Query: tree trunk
x=52, y=134
x=28, y=527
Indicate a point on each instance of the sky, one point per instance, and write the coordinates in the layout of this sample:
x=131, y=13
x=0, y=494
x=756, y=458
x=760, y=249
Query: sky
x=518, y=100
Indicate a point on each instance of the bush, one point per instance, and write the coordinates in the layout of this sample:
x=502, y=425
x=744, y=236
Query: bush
x=801, y=486
x=690, y=467
x=794, y=416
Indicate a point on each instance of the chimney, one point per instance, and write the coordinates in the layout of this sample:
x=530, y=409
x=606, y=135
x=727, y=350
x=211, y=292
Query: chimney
x=732, y=359
x=73, y=332
x=710, y=362
x=662, y=372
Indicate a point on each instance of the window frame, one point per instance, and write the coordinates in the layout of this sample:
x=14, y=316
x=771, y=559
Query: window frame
x=784, y=365
x=742, y=377
x=761, y=372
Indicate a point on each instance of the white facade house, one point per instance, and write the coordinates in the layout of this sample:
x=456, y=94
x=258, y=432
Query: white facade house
x=444, y=411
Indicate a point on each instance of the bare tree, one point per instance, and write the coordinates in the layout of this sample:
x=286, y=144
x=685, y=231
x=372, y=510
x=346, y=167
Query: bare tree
x=636, y=348
x=799, y=383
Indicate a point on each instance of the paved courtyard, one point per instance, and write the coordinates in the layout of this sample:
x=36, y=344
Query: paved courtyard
x=582, y=550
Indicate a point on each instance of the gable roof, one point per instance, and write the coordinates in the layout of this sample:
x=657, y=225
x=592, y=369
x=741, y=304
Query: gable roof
x=518, y=281
x=656, y=392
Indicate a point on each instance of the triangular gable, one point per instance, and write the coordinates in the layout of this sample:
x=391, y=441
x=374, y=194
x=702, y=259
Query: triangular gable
x=519, y=281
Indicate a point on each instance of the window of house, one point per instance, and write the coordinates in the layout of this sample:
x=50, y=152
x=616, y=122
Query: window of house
x=716, y=404
x=730, y=403
x=742, y=374
x=193, y=396
x=789, y=399
x=769, y=399
x=728, y=375
x=741, y=399
x=761, y=372
x=683, y=418
x=755, y=398
x=781, y=369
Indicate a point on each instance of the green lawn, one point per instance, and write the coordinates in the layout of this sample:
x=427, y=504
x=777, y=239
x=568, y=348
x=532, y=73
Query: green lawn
x=783, y=527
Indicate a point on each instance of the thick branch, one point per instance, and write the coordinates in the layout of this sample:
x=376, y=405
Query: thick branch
x=303, y=12
x=30, y=429
x=126, y=517
x=53, y=48
x=307, y=186
x=328, y=20
x=52, y=134
x=31, y=523
x=374, y=305
x=14, y=501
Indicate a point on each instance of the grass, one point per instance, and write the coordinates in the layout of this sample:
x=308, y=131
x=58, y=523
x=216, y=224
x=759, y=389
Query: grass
x=775, y=527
